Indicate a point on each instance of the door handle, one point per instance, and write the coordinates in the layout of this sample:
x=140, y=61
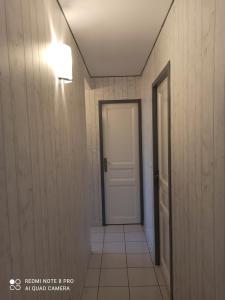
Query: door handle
x=105, y=164
x=156, y=175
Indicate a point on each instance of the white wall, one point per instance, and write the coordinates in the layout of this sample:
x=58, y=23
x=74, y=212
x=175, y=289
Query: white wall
x=43, y=207
x=194, y=42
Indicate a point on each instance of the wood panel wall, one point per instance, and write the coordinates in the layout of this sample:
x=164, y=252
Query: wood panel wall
x=194, y=42
x=43, y=207
x=108, y=88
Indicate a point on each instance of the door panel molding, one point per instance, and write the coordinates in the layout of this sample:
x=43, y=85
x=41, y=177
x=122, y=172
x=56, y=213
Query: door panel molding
x=101, y=137
x=165, y=73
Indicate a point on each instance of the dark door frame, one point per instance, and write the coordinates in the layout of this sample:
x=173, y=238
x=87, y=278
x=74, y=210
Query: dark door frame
x=100, y=106
x=165, y=73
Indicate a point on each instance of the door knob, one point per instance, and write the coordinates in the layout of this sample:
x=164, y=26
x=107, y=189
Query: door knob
x=156, y=175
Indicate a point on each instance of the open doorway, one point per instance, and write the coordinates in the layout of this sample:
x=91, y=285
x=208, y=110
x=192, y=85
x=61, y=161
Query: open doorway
x=162, y=174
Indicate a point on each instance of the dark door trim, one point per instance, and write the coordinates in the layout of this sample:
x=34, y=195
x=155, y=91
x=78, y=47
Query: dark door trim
x=163, y=75
x=100, y=106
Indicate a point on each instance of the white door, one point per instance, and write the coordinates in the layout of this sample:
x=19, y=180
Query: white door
x=121, y=154
x=162, y=98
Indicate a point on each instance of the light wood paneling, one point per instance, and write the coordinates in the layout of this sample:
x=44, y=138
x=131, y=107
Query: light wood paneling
x=193, y=40
x=44, y=220
x=106, y=88
x=219, y=151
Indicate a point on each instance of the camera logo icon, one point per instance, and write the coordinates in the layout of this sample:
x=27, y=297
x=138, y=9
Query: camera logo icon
x=15, y=284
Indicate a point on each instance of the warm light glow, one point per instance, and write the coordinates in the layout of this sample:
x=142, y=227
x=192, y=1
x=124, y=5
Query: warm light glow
x=60, y=58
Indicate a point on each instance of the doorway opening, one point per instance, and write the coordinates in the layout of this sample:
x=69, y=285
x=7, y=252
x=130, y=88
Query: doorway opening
x=161, y=118
x=121, y=161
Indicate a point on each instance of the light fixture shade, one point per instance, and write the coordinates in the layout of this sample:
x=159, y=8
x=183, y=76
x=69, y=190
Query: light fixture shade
x=63, y=62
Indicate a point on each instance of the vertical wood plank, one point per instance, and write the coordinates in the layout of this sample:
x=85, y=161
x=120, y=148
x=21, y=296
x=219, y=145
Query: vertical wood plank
x=21, y=136
x=9, y=151
x=219, y=152
x=207, y=217
x=5, y=246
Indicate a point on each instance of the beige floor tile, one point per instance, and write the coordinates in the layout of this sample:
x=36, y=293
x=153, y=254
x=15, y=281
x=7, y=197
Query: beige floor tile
x=95, y=261
x=142, y=277
x=97, y=237
x=114, y=247
x=111, y=261
x=96, y=248
x=136, y=247
x=97, y=229
x=114, y=237
x=113, y=277
x=133, y=228
x=113, y=293
x=90, y=294
x=114, y=228
x=139, y=260
x=92, y=279
x=135, y=237
x=145, y=293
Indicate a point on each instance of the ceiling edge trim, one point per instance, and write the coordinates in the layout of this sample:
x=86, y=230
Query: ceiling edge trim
x=160, y=30
x=60, y=7
x=114, y=76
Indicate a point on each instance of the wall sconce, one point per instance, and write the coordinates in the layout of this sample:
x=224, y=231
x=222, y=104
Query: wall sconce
x=64, y=62
x=60, y=57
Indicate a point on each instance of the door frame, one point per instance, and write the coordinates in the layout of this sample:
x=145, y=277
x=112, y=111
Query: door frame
x=100, y=107
x=165, y=73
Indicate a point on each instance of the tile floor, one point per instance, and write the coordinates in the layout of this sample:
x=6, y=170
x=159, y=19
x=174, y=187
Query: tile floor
x=121, y=267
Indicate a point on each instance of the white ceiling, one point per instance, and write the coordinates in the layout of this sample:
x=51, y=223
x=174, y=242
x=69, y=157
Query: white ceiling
x=115, y=36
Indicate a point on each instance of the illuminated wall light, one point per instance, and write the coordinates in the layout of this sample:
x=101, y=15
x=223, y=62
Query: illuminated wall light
x=60, y=58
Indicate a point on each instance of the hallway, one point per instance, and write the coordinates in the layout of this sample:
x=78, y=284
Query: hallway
x=121, y=266
x=112, y=112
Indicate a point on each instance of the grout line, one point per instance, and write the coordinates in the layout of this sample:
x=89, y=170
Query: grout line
x=127, y=269
x=101, y=264
x=126, y=261
x=154, y=268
